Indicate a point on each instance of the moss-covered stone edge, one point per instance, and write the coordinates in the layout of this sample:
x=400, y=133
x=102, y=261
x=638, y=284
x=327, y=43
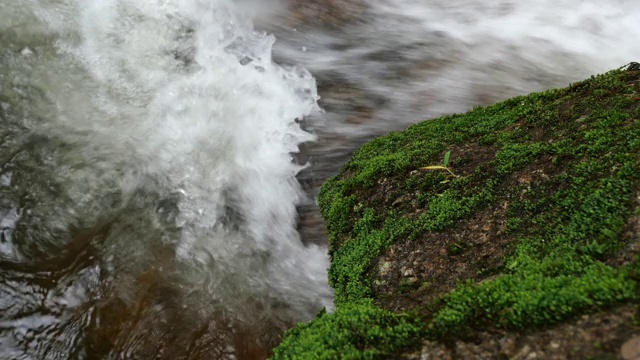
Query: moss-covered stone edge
x=356, y=330
x=566, y=226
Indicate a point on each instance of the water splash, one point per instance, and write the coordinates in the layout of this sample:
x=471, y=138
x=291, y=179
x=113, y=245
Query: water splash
x=162, y=125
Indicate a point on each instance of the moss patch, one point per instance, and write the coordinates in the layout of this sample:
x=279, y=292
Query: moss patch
x=357, y=330
x=538, y=227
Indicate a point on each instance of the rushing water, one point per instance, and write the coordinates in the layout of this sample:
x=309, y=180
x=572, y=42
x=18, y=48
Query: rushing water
x=149, y=198
x=149, y=149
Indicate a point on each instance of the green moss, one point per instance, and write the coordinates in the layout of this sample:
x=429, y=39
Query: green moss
x=514, y=156
x=564, y=165
x=529, y=298
x=358, y=330
x=347, y=274
x=451, y=205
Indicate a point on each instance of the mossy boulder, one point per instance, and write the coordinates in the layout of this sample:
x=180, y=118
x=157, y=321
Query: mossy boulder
x=533, y=229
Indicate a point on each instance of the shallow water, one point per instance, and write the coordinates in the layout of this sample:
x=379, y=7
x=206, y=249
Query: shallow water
x=159, y=160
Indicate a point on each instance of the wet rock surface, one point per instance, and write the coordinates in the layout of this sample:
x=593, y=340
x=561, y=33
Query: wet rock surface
x=489, y=234
x=630, y=350
x=610, y=334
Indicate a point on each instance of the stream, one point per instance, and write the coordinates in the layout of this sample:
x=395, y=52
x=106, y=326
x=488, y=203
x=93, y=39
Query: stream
x=160, y=159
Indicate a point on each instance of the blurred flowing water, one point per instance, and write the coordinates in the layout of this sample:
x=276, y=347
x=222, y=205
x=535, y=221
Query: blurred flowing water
x=159, y=159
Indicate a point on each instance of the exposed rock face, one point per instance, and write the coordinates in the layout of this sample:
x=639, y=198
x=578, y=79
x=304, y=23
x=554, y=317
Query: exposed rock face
x=507, y=232
x=589, y=336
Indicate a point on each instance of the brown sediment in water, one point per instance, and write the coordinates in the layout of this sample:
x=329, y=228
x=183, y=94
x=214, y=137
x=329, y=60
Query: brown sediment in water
x=138, y=314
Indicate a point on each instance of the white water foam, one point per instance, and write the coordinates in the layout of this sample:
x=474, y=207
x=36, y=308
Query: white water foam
x=180, y=98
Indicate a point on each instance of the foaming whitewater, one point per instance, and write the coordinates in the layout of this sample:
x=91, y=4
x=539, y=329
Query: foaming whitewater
x=165, y=133
x=192, y=102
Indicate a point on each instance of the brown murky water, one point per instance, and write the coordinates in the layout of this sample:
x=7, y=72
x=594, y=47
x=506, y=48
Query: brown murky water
x=147, y=198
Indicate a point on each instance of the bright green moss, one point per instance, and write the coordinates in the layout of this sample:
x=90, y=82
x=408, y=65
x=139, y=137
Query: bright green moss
x=557, y=273
x=452, y=205
x=350, y=262
x=514, y=156
x=358, y=330
x=531, y=298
